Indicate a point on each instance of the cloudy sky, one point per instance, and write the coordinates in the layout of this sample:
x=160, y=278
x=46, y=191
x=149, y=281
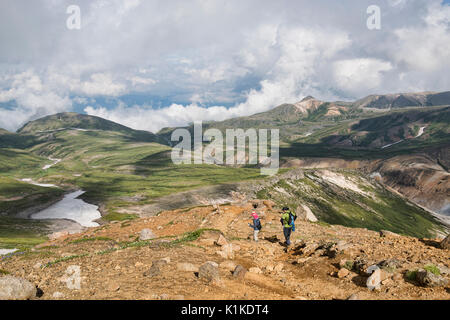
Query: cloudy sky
x=149, y=64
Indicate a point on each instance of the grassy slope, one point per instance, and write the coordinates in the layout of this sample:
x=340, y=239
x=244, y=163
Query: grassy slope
x=114, y=168
x=334, y=205
x=322, y=143
x=16, y=196
x=117, y=169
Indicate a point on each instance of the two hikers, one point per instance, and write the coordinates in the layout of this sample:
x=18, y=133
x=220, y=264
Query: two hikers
x=288, y=221
x=256, y=226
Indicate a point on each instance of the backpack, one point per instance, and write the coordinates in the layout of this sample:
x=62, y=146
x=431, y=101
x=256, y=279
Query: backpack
x=258, y=224
x=292, y=218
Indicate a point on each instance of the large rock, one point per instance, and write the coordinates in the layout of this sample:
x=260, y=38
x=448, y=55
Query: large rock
x=269, y=204
x=343, y=273
x=13, y=288
x=209, y=271
x=239, y=272
x=429, y=279
x=59, y=234
x=146, y=234
x=360, y=266
x=227, y=251
x=445, y=244
x=374, y=281
x=221, y=241
x=155, y=269
x=306, y=249
x=386, y=233
x=390, y=264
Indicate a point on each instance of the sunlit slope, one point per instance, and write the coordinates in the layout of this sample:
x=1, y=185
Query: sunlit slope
x=350, y=199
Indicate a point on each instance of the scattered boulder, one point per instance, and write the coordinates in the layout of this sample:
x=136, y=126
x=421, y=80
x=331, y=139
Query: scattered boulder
x=221, y=241
x=13, y=288
x=360, y=266
x=58, y=295
x=113, y=287
x=155, y=269
x=444, y=270
x=269, y=268
x=59, y=234
x=385, y=233
x=188, y=267
x=305, y=249
x=38, y=265
x=239, y=272
x=353, y=297
x=397, y=277
x=374, y=281
x=429, y=279
x=226, y=252
x=166, y=259
x=347, y=264
x=146, y=234
x=342, y=273
x=269, y=204
x=445, y=244
x=279, y=267
x=390, y=264
x=209, y=271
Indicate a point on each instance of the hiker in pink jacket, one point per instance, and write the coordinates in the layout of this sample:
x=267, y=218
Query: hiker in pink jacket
x=256, y=226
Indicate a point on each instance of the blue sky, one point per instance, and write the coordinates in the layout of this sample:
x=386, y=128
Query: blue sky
x=154, y=63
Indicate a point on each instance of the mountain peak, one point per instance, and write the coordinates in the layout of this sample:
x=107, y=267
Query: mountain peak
x=308, y=98
x=67, y=120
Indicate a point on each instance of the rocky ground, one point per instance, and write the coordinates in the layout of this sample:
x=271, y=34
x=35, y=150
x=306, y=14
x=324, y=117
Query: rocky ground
x=207, y=253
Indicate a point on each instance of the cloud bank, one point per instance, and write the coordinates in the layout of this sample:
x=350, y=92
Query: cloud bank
x=152, y=64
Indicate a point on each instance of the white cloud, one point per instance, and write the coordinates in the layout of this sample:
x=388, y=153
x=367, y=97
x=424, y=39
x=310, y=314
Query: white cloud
x=356, y=75
x=252, y=55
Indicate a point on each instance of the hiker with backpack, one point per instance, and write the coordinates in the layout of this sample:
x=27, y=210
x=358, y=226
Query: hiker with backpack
x=256, y=226
x=288, y=221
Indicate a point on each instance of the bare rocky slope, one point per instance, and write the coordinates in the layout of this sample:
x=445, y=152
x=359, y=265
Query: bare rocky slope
x=194, y=254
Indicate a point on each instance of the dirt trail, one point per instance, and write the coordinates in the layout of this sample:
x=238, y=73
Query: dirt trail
x=115, y=265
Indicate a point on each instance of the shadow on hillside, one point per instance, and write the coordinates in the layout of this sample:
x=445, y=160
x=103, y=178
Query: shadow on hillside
x=157, y=160
x=431, y=243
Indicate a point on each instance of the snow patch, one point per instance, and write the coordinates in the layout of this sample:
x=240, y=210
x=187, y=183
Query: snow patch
x=55, y=162
x=341, y=181
x=375, y=175
x=4, y=252
x=391, y=144
x=73, y=209
x=45, y=185
x=421, y=131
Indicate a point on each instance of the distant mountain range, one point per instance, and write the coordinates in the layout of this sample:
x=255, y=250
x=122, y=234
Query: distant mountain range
x=124, y=170
x=401, y=100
